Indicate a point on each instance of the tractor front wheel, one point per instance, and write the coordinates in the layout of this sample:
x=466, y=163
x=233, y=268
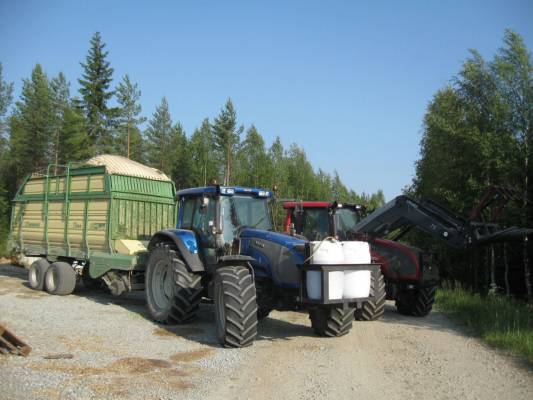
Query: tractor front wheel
x=235, y=306
x=331, y=321
x=416, y=302
x=373, y=309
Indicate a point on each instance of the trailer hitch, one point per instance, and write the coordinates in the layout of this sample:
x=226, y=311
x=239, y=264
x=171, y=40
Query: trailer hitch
x=9, y=343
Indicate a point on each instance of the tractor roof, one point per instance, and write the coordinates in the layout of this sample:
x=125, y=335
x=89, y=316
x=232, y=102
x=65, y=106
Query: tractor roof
x=308, y=204
x=317, y=204
x=225, y=191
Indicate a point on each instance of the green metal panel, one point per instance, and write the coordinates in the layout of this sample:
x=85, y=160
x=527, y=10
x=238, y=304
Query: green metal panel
x=103, y=262
x=90, y=210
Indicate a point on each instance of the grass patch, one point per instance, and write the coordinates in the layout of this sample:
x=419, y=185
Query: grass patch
x=500, y=321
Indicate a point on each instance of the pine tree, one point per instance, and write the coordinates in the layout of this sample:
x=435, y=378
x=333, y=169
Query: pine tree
x=226, y=136
x=95, y=92
x=129, y=140
x=203, y=161
x=158, y=135
x=180, y=158
x=32, y=125
x=6, y=97
x=279, y=170
x=74, y=143
x=61, y=96
x=254, y=166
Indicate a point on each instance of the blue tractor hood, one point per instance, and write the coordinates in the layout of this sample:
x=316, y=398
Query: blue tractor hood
x=276, y=237
x=277, y=255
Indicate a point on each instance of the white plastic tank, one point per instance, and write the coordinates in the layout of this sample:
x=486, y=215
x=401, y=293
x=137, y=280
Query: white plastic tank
x=313, y=285
x=326, y=252
x=336, y=285
x=323, y=253
x=356, y=252
x=356, y=284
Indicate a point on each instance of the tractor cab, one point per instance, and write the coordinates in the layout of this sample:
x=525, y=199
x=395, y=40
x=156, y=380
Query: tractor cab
x=217, y=214
x=317, y=220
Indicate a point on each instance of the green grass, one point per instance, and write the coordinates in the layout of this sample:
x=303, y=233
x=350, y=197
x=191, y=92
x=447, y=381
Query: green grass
x=502, y=322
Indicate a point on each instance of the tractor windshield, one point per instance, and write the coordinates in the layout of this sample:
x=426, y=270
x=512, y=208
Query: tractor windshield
x=315, y=223
x=243, y=211
x=347, y=218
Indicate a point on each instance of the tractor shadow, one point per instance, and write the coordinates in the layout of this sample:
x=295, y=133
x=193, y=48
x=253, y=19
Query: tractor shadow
x=279, y=326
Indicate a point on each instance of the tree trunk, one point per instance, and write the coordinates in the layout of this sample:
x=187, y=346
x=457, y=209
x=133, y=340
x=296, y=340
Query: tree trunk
x=506, y=271
x=57, y=151
x=128, y=151
x=493, y=286
x=527, y=270
x=228, y=166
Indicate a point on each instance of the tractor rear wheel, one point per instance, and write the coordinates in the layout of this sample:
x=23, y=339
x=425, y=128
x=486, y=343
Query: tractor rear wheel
x=60, y=278
x=417, y=302
x=235, y=306
x=331, y=321
x=37, y=272
x=373, y=309
x=172, y=293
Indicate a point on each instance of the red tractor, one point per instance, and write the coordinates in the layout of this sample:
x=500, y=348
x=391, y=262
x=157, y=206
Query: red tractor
x=407, y=276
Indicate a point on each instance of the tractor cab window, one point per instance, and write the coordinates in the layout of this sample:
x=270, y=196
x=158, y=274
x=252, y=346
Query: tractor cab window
x=199, y=215
x=346, y=220
x=314, y=223
x=243, y=211
x=187, y=211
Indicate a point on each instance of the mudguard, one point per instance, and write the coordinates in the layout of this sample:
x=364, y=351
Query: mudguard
x=186, y=242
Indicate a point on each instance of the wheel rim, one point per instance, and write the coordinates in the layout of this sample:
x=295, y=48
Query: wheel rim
x=161, y=285
x=51, y=279
x=33, y=277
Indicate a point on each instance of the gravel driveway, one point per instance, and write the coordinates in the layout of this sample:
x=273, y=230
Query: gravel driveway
x=118, y=353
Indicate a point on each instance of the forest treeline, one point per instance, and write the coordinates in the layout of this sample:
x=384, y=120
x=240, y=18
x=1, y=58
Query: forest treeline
x=478, y=132
x=48, y=124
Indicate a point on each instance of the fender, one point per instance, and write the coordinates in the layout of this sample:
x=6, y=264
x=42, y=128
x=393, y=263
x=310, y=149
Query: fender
x=236, y=259
x=185, y=241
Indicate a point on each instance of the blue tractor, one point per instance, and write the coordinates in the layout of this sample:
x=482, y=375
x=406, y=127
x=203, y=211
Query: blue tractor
x=224, y=249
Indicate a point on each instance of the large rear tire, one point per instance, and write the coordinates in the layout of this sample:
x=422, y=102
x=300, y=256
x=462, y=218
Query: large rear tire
x=373, y=309
x=37, y=273
x=331, y=321
x=417, y=302
x=172, y=293
x=235, y=306
x=60, y=279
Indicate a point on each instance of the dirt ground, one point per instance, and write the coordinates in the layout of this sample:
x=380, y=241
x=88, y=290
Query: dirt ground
x=90, y=345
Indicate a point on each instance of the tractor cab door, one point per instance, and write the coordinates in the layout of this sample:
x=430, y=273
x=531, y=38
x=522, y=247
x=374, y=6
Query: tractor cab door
x=199, y=216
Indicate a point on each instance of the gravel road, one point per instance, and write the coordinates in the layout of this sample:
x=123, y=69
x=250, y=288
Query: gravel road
x=118, y=353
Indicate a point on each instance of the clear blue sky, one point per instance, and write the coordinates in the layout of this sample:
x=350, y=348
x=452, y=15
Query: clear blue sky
x=349, y=81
